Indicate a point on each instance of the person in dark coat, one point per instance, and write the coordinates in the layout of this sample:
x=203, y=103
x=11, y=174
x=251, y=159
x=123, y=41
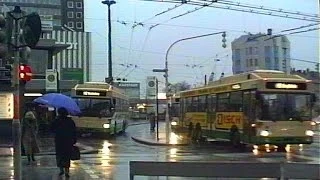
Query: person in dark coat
x=65, y=137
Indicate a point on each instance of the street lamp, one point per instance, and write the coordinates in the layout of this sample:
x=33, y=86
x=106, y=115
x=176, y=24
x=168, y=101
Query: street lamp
x=109, y=3
x=165, y=70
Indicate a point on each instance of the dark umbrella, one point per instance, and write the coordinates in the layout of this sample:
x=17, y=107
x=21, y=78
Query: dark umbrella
x=58, y=100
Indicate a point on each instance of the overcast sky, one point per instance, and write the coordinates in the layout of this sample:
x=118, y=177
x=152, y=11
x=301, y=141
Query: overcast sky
x=142, y=49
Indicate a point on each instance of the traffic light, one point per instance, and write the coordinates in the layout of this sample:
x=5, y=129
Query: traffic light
x=31, y=30
x=224, y=45
x=25, y=73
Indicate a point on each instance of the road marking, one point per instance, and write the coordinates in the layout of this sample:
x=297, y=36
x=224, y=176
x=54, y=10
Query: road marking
x=92, y=173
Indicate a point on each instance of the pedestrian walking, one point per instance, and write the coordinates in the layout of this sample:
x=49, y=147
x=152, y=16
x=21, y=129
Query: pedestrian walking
x=64, y=130
x=197, y=133
x=152, y=120
x=29, y=135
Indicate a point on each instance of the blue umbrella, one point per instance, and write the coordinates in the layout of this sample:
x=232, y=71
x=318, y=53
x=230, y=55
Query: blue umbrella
x=58, y=100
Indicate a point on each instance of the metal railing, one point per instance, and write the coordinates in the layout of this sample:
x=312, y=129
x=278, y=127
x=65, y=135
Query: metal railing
x=225, y=169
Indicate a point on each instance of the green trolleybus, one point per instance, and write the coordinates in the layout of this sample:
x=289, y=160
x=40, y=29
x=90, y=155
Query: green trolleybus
x=105, y=109
x=257, y=108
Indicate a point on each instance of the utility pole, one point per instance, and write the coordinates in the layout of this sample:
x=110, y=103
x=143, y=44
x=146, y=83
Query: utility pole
x=109, y=3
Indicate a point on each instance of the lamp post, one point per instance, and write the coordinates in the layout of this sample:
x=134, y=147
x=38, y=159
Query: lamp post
x=109, y=3
x=165, y=70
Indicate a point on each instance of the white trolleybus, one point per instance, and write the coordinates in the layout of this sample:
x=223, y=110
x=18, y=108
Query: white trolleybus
x=257, y=108
x=104, y=108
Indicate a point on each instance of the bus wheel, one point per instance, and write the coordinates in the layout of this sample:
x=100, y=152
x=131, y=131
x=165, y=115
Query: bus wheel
x=234, y=136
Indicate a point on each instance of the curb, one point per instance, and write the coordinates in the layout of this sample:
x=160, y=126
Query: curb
x=138, y=140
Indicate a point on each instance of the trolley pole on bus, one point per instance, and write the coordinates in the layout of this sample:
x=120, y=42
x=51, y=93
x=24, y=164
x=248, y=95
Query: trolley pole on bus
x=165, y=70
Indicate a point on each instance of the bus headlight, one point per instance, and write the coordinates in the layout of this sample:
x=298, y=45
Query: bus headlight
x=106, y=126
x=309, y=133
x=174, y=123
x=264, y=133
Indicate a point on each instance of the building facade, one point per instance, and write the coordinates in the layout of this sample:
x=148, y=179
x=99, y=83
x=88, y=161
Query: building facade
x=260, y=51
x=73, y=14
x=54, y=14
x=76, y=59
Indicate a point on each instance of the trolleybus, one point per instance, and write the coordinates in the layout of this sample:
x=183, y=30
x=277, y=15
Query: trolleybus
x=105, y=109
x=259, y=107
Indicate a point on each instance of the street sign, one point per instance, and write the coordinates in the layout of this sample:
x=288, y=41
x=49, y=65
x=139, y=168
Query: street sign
x=151, y=87
x=51, y=80
x=6, y=106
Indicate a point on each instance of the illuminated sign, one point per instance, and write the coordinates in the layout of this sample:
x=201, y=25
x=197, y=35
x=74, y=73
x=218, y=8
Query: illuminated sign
x=91, y=93
x=236, y=86
x=128, y=85
x=87, y=93
x=225, y=120
x=6, y=106
x=282, y=85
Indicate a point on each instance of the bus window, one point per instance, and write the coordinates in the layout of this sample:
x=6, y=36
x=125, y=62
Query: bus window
x=202, y=105
x=285, y=107
x=188, y=104
x=212, y=102
x=223, y=102
x=195, y=104
x=236, y=101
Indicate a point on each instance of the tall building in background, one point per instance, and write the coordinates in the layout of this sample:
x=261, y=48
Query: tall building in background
x=75, y=61
x=260, y=51
x=73, y=14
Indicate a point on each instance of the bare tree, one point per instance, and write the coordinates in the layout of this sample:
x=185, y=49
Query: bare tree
x=180, y=86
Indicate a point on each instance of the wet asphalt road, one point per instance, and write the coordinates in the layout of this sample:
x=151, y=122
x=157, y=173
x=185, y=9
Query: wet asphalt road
x=114, y=154
x=112, y=159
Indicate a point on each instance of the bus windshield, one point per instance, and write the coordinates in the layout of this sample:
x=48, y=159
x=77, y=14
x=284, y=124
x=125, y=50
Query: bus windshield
x=283, y=107
x=95, y=107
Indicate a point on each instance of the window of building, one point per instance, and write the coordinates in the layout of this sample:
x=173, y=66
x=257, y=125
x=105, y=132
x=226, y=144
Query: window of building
x=250, y=50
x=255, y=50
x=256, y=62
x=71, y=24
x=267, y=51
x=70, y=4
x=276, y=63
x=79, y=5
x=251, y=62
x=70, y=14
x=79, y=25
x=79, y=14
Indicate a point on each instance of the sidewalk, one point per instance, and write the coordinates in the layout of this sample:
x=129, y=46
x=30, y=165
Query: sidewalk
x=46, y=145
x=149, y=137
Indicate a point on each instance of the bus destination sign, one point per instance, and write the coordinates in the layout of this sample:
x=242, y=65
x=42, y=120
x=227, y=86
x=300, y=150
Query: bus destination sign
x=91, y=93
x=283, y=85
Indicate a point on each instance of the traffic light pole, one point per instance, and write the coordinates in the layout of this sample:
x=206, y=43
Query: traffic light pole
x=16, y=125
x=167, y=118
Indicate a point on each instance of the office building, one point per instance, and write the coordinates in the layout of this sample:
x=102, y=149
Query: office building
x=260, y=51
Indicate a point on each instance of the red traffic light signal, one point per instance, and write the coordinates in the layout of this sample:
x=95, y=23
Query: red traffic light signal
x=25, y=73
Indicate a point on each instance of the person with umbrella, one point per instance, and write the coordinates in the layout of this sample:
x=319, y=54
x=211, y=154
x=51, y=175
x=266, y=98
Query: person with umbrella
x=64, y=130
